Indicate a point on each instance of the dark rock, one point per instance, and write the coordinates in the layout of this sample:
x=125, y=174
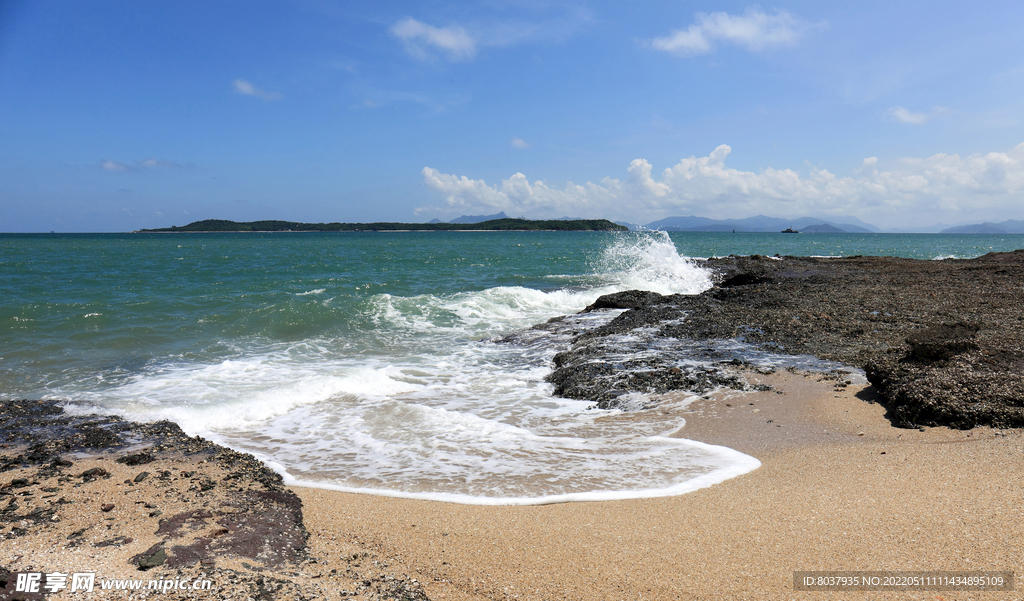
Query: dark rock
x=939, y=343
x=262, y=519
x=942, y=341
x=141, y=477
x=8, y=586
x=96, y=472
x=744, y=279
x=629, y=299
x=117, y=541
x=136, y=458
x=151, y=558
x=107, y=507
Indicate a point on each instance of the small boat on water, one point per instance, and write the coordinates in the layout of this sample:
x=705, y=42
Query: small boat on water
x=790, y=230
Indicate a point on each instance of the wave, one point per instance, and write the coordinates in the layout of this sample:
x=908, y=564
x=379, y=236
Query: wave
x=409, y=396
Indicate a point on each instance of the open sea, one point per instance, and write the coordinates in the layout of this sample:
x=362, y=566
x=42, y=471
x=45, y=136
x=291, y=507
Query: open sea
x=369, y=362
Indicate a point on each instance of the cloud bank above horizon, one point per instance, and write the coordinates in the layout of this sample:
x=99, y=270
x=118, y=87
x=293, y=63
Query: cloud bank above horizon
x=405, y=111
x=906, y=192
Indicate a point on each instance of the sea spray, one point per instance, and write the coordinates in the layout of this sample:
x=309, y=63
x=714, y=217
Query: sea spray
x=356, y=377
x=648, y=260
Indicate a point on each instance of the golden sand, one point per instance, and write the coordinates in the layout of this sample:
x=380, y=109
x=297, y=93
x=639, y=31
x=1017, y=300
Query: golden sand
x=839, y=489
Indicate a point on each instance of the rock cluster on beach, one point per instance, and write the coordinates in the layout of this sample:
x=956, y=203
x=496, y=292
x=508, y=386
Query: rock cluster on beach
x=942, y=341
x=130, y=500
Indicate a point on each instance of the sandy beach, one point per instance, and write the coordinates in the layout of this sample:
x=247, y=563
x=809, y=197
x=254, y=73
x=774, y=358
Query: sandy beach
x=839, y=489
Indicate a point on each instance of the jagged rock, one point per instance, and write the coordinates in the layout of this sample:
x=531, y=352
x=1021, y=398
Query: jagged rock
x=942, y=341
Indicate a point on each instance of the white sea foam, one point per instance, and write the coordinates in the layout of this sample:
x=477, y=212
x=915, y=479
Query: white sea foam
x=650, y=261
x=421, y=403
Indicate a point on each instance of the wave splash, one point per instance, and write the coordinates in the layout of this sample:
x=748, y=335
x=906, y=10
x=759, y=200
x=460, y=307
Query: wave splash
x=416, y=400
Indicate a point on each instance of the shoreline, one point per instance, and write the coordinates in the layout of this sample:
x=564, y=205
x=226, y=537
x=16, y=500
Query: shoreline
x=942, y=341
x=862, y=496
x=840, y=487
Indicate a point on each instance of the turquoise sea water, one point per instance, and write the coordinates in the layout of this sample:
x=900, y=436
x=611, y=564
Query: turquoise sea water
x=368, y=361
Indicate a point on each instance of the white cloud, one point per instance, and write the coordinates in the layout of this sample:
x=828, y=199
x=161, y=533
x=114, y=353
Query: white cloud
x=114, y=166
x=944, y=187
x=149, y=163
x=246, y=88
x=905, y=116
x=640, y=176
x=538, y=23
x=519, y=143
x=753, y=30
x=422, y=40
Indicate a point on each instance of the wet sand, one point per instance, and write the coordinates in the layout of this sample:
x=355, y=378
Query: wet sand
x=839, y=489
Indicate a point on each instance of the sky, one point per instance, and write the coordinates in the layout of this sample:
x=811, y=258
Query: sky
x=116, y=116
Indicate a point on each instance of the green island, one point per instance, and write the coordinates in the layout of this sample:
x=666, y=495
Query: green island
x=508, y=224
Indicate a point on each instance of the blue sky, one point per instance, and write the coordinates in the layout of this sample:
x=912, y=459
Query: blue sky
x=116, y=116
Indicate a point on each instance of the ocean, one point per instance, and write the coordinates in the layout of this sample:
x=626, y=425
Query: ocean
x=373, y=362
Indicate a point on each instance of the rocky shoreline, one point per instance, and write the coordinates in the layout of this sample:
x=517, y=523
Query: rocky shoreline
x=127, y=500
x=941, y=341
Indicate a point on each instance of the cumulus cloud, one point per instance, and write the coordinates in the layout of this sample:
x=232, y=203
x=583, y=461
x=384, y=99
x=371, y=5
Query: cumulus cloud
x=423, y=41
x=753, y=30
x=244, y=87
x=519, y=143
x=943, y=186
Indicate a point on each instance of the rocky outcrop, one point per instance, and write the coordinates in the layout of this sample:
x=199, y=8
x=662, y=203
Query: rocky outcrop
x=246, y=511
x=942, y=341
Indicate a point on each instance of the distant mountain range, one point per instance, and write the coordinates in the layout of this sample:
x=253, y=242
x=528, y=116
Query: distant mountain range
x=763, y=223
x=474, y=218
x=1010, y=226
x=822, y=228
x=501, y=215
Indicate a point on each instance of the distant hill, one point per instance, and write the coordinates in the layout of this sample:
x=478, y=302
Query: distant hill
x=760, y=223
x=975, y=228
x=506, y=224
x=850, y=225
x=822, y=228
x=1010, y=226
x=680, y=224
x=479, y=218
